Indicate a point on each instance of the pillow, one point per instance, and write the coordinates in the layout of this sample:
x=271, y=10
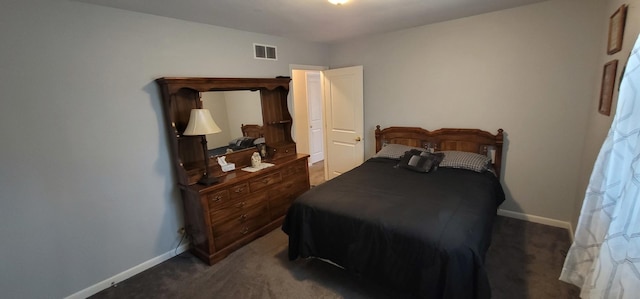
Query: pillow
x=394, y=151
x=242, y=142
x=465, y=160
x=420, y=161
x=258, y=141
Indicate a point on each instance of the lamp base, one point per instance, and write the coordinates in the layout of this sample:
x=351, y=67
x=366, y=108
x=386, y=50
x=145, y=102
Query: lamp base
x=208, y=181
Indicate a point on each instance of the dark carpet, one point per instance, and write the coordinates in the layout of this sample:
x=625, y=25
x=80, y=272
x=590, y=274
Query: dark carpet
x=524, y=261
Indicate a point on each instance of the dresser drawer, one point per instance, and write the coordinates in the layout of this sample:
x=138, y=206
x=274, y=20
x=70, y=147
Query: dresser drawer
x=234, y=221
x=237, y=207
x=217, y=199
x=238, y=190
x=296, y=169
x=240, y=230
x=222, y=198
x=264, y=181
x=281, y=197
x=283, y=151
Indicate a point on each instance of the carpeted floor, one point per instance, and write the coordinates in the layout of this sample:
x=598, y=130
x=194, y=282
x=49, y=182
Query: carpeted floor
x=524, y=261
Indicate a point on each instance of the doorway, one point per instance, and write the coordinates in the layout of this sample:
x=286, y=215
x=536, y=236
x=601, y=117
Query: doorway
x=308, y=113
x=328, y=116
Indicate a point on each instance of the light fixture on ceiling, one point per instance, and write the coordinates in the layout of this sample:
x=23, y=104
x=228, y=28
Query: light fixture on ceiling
x=338, y=2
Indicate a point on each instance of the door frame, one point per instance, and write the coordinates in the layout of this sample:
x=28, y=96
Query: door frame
x=305, y=122
x=297, y=122
x=316, y=126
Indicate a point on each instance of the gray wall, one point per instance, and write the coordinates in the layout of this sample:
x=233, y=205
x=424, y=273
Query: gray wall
x=530, y=70
x=86, y=185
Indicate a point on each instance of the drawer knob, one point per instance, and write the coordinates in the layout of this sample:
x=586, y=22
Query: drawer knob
x=217, y=198
x=266, y=181
x=240, y=205
x=239, y=190
x=243, y=218
x=245, y=230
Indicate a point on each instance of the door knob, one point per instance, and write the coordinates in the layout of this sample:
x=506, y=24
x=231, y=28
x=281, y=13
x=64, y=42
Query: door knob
x=358, y=139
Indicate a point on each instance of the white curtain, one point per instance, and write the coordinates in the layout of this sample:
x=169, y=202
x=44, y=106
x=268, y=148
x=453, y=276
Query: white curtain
x=604, y=259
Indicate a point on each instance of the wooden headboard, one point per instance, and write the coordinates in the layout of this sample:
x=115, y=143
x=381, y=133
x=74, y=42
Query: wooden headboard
x=466, y=140
x=252, y=131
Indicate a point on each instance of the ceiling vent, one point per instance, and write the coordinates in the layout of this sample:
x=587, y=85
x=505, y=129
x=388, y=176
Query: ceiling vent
x=264, y=52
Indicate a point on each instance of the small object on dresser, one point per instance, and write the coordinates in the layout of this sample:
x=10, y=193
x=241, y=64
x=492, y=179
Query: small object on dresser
x=255, y=160
x=262, y=166
x=224, y=165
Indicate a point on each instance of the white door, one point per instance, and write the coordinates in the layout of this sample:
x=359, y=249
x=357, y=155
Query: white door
x=316, y=132
x=344, y=114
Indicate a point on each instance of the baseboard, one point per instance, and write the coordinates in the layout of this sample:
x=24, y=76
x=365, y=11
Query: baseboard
x=169, y=254
x=537, y=219
x=128, y=273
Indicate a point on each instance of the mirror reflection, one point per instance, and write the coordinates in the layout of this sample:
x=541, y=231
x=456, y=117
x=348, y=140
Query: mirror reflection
x=238, y=113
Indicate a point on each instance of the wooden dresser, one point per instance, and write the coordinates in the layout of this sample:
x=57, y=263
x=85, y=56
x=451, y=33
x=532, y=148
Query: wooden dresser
x=242, y=207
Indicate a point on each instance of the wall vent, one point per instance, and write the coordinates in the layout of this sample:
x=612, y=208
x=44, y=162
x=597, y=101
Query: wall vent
x=264, y=52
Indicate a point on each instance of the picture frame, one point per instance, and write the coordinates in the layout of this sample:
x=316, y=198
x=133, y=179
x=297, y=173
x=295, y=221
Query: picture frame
x=616, y=29
x=608, y=83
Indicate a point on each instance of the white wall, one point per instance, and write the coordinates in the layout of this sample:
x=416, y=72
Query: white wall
x=529, y=70
x=599, y=124
x=244, y=107
x=217, y=105
x=86, y=185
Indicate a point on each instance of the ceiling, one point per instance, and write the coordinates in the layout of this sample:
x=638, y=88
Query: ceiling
x=314, y=20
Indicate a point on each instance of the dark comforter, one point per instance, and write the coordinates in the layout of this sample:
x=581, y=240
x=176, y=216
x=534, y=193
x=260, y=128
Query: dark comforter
x=423, y=234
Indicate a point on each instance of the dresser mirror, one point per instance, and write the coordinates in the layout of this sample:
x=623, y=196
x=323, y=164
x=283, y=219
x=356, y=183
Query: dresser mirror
x=180, y=95
x=232, y=110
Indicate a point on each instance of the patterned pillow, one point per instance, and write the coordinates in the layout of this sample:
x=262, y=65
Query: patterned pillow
x=420, y=161
x=394, y=151
x=465, y=160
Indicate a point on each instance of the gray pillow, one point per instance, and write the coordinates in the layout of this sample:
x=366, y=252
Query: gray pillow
x=258, y=141
x=420, y=161
x=242, y=142
x=395, y=151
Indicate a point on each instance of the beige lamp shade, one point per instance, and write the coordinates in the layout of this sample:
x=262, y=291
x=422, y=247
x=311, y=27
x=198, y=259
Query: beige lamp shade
x=201, y=123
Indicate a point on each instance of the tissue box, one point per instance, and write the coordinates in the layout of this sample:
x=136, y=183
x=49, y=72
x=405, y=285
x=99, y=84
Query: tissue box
x=228, y=167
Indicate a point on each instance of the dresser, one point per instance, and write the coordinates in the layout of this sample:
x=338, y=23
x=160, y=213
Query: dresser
x=242, y=207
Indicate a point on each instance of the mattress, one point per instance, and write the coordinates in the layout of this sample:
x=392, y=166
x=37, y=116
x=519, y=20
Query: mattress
x=420, y=234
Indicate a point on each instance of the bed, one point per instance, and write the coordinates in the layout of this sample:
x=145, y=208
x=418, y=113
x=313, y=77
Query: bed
x=251, y=136
x=420, y=234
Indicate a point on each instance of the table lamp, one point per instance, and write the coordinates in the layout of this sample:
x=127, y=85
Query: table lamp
x=200, y=124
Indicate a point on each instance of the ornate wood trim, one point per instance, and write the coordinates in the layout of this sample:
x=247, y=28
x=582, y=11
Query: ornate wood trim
x=221, y=84
x=467, y=140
